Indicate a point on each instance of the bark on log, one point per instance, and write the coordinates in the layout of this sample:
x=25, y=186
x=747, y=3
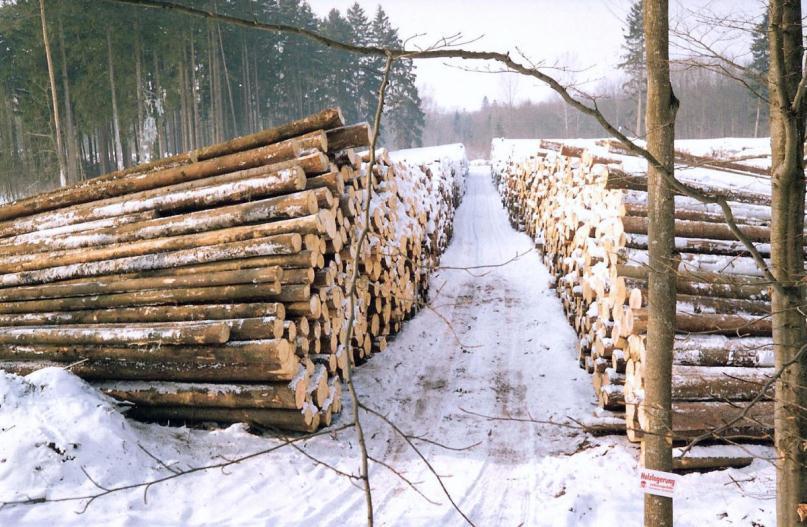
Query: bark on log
x=202, y=332
x=149, y=182
x=42, y=260
x=198, y=295
x=75, y=228
x=707, y=323
x=702, y=464
x=265, y=353
x=691, y=419
x=698, y=383
x=328, y=118
x=697, y=245
x=352, y=136
x=283, y=244
x=302, y=259
x=618, y=179
x=147, y=314
x=707, y=283
x=717, y=350
x=271, y=209
x=257, y=361
x=281, y=395
x=699, y=229
x=115, y=284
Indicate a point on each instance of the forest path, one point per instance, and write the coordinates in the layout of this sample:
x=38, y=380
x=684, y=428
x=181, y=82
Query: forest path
x=493, y=341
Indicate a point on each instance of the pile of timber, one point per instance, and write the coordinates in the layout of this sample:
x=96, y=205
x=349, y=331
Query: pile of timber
x=211, y=286
x=586, y=208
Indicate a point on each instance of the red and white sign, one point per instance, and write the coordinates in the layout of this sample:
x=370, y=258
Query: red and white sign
x=657, y=482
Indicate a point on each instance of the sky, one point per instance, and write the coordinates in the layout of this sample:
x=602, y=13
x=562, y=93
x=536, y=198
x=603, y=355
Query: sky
x=583, y=35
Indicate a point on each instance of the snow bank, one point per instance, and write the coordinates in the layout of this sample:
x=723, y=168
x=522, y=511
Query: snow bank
x=52, y=426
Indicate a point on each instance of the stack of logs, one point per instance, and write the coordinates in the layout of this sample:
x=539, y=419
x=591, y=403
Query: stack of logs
x=210, y=286
x=588, y=214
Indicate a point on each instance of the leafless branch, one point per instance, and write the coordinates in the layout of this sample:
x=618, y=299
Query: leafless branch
x=406, y=437
x=352, y=293
x=106, y=491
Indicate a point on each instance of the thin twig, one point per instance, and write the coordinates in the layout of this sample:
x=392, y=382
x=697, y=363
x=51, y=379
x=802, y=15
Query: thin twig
x=147, y=484
x=417, y=451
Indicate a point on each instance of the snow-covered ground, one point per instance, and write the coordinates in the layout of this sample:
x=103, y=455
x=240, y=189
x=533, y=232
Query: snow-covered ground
x=494, y=341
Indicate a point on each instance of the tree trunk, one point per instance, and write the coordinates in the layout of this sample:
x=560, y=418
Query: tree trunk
x=660, y=122
x=73, y=167
x=142, y=150
x=115, y=120
x=159, y=110
x=246, y=94
x=57, y=128
x=787, y=227
x=639, y=113
x=227, y=79
x=103, y=148
x=197, y=128
x=213, y=112
x=184, y=104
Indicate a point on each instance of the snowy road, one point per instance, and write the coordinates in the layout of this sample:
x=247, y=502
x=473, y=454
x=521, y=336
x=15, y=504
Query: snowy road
x=493, y=342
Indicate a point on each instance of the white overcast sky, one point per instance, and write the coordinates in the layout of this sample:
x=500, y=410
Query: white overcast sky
x=585, y=34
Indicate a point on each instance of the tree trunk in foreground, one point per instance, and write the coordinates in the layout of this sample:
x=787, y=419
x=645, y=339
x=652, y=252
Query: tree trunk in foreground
x=660, y=121
x=787, y=227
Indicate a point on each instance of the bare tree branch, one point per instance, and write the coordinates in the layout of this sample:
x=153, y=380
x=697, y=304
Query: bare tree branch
x=406, y=437
x=514, y=66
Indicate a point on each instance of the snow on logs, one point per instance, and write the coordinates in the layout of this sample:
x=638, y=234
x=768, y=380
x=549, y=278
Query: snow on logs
x=586, y=208
x=212, y=285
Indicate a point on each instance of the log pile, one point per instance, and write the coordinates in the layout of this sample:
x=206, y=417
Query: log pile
x=211, y=286
x=586, y=208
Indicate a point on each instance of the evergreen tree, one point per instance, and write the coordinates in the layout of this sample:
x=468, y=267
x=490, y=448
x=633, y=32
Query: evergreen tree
x=338, y=76
x=633, y=59
x=364, y=77
x=758, y=70
x=179, y=82
x=403, y=109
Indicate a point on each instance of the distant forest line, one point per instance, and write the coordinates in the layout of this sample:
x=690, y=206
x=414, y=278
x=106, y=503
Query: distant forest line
x=711, y=106
x=136, y=84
